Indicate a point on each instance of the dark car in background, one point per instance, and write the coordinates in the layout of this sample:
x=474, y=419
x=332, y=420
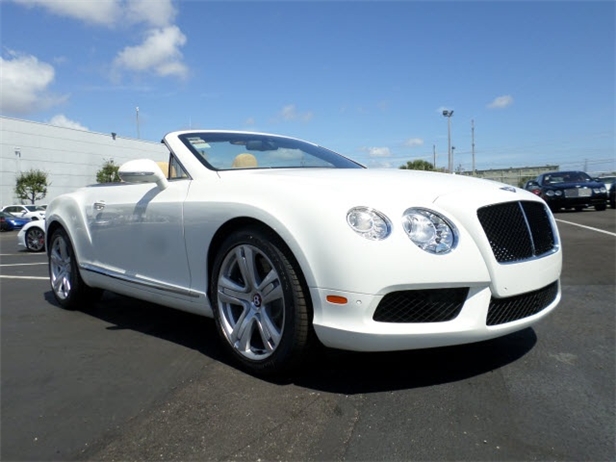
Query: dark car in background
x=9, y=222
x=569, y=190
x=610, y=184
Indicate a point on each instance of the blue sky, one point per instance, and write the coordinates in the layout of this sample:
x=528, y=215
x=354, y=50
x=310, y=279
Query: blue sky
x=368, y=79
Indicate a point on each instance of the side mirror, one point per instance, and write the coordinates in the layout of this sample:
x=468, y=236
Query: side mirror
x=143, y=171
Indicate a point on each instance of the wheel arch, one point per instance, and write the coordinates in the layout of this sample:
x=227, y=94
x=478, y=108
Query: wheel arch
x=240, y=223
x=51, y=228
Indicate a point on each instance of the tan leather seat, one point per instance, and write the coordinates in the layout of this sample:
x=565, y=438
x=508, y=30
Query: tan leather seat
x=164, y=166
x=244, y=160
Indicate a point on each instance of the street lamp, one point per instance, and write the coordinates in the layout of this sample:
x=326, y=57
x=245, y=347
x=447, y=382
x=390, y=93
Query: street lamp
x=448, y=114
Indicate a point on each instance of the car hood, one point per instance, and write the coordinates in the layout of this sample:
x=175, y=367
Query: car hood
x=372, y=184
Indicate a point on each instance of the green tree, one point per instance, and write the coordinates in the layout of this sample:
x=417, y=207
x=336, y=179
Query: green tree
x=418, y=165
x=31, y=185
x=108, y=173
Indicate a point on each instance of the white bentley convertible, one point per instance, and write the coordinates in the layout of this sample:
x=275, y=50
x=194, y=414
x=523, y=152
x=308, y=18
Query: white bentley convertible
x=284, y=242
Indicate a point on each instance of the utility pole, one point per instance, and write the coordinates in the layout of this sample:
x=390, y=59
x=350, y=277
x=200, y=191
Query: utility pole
x=138, y=132
x=448, y=114
x=434, y=155
x=473, y=143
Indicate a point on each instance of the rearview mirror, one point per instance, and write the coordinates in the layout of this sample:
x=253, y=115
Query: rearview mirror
x=143, y=171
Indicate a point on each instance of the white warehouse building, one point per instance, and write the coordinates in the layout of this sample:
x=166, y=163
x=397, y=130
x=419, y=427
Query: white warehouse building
x=70, y=157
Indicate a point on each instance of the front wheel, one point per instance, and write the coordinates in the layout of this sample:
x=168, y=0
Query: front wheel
x=35, y=239
x=600, y=207
x=260, y=304
x=68, y=288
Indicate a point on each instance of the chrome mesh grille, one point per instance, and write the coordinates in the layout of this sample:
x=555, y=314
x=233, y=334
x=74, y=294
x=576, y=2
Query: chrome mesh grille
x=510, y=309
x=517, y=230
x=431, y=305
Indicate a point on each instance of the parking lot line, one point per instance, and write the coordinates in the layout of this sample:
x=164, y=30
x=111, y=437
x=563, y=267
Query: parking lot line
x=587, y=227
x=38, y=278
x=10, y=265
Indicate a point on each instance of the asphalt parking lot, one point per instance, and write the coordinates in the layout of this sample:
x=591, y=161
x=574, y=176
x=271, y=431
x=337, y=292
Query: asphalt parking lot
x=127, y=380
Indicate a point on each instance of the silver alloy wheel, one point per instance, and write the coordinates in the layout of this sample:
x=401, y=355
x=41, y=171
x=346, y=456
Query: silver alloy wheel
x=35, y=239
x=60, y=267
x=251, y=302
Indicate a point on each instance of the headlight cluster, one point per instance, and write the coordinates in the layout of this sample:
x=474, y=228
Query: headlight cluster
x=602, y=189
x=552, y=193
x=428, y=230
x=369, y=223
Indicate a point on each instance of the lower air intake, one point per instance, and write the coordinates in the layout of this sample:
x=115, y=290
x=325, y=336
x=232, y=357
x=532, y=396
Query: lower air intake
x=503, y=310
x=431, y=305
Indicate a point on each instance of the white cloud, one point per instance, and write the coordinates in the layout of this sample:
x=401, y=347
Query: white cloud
x=501, y=102
x=379, y=163
x=289, y=112
x=103, y=12
x=413, y=142
x=159, y=53
x=24, y=85
x=156, y=13
x=60, y=120
x=378, y=151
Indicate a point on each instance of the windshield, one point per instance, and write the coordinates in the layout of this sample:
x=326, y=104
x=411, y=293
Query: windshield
x=225, y=151
x=35, y=208
x=567, y=177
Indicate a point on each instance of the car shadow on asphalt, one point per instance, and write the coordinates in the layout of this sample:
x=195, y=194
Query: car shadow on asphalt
x=325, y=369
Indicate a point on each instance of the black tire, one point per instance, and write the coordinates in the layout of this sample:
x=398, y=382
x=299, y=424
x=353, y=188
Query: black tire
x=579, y=208
x=260, y=304
x=66, y=284
x=35, y=239
x=600, y=207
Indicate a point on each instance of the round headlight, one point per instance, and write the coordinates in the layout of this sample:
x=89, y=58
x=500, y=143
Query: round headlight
x=429, y=230
x=369, y=223
x=549, y=193
x=558, y=192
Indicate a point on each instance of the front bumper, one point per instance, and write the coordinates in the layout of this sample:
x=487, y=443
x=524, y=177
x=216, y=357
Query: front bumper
x=571, y=202
x=481, y=317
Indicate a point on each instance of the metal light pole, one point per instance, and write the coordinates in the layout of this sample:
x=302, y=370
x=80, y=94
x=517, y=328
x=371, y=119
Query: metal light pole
x=448, y=114
x=138, y=131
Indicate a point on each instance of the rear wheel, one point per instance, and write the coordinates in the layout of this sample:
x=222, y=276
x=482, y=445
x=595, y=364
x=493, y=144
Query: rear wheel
x=260, y=304
x=68, y=288
x=35, y=239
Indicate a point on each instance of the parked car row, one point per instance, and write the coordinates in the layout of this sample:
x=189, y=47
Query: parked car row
x=32, y=212
x=9, y=222
x=570, y=190
x=31, y=226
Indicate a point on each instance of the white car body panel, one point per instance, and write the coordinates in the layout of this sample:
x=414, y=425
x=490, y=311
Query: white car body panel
x=21, y=235
x=153, y=243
